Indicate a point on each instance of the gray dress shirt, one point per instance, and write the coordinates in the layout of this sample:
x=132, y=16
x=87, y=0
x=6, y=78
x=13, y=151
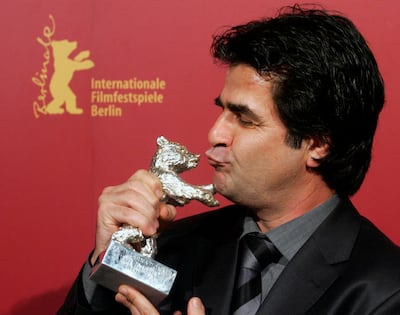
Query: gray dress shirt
x=288, y=238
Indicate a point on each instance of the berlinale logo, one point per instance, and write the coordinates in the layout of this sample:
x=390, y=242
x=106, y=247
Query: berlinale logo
x=63, y=70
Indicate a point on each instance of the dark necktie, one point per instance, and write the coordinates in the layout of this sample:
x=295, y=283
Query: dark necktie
x=256, y=252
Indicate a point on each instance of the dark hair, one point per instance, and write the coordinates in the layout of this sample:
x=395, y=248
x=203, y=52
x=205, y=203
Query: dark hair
x=327, y=85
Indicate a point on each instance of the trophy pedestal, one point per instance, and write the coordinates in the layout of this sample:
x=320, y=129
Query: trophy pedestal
x=123, y=265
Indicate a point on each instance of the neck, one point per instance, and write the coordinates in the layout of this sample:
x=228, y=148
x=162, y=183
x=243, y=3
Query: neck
x=273, y=216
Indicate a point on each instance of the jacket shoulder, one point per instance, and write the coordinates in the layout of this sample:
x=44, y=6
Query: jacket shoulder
x=204, y=224
x=374, y=246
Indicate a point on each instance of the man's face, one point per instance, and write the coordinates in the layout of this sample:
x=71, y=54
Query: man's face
x=253, y=164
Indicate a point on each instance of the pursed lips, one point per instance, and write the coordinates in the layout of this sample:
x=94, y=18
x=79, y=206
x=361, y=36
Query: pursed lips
x=217, y=156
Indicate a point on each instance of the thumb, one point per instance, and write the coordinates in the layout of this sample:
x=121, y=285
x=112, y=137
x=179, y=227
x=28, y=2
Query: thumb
x=195, y=307
x=167, y=212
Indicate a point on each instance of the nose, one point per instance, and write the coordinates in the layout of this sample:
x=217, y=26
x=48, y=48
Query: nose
x=221, y=133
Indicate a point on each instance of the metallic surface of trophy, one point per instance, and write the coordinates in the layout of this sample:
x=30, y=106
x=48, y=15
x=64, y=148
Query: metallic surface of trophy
x=129, y=257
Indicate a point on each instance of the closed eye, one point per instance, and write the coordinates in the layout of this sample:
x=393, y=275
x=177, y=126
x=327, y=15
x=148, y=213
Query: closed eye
x=245, y=116
x=244, y=121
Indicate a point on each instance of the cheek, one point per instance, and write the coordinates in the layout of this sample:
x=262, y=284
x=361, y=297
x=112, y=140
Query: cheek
x=267, y=157
x=252, y=154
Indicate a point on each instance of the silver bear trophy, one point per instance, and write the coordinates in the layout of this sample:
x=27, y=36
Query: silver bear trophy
x=171, y=159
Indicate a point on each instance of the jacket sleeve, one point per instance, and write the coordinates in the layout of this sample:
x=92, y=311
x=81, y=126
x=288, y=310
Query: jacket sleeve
x=76, y=302
x=390, y=306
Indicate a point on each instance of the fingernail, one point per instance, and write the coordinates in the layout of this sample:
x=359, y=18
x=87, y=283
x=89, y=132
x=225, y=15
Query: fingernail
x=196, y=302
x=159, y=194
x=122, y=290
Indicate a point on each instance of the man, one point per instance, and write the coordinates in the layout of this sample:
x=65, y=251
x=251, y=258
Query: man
x=293, y=141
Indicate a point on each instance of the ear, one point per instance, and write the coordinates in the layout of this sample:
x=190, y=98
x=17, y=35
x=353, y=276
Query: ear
x=161, y=141
x=317, y=150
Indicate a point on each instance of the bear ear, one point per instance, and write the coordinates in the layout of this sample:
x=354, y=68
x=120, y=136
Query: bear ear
x=161, y=141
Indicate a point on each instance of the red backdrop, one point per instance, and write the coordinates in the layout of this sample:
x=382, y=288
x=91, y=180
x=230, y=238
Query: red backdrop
x=53, y=167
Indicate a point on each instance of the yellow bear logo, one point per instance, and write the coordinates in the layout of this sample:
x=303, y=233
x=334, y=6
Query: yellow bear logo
x=64, y=68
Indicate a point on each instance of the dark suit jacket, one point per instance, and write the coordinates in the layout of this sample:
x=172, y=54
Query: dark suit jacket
x=347, y=267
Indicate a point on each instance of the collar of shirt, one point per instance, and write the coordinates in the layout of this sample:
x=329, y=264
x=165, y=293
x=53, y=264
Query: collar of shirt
x=291, y=236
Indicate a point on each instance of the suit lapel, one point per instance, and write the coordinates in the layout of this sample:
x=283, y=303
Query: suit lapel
x=316, y=266
x=214, y=274
x=214, y=285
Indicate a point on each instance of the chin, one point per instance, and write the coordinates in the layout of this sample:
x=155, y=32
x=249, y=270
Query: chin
x=224, y=191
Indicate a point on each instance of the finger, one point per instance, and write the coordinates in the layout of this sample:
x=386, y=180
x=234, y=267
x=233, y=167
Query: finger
x=142, y=216
x=120, y=298
x=195, y=307
x=115, y=210
x=135, y=301
x=142, y=184
x=111, y=219
x=150, y=180
x=167, y=212
x=135, y=202
x=144, y=176
x=125, y=193
x=129, y=209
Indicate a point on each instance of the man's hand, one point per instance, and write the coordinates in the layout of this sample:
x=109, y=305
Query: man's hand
x=139, y=305
x=135, y=202
x=195, y=307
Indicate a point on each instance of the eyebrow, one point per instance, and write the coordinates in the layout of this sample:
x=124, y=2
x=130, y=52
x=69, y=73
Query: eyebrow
x=238, y=109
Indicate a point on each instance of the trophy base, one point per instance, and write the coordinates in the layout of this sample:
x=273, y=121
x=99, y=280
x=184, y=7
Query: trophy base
x=122, y=265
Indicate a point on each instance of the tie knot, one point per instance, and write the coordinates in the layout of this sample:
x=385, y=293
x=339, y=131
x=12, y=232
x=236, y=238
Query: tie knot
x=258, y=251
